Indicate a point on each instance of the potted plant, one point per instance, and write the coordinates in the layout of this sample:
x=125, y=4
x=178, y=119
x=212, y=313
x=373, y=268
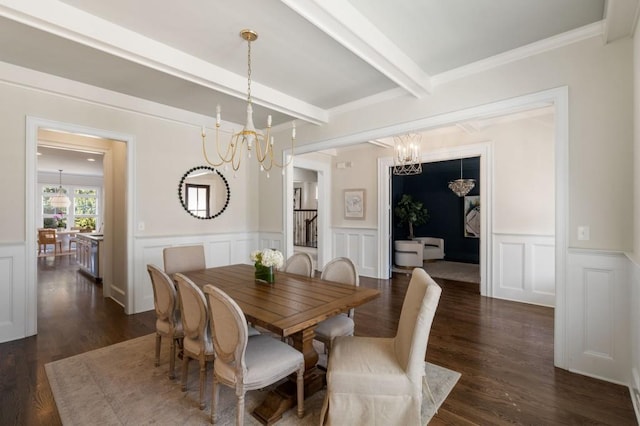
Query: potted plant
x=411, y=212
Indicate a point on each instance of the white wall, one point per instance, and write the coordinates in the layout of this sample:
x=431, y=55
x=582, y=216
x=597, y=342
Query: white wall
x=634, y=273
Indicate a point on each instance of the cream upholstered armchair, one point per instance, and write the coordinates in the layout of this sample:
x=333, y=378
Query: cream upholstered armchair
x=183, y=259
x=433, y=247
x=244, y=363
x=300, y=264
x=408, y=253
x=197, y=343
x=340, y=270
x=379, y=380
x=168, y=321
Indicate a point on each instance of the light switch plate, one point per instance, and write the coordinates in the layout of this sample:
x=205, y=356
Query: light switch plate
x=583, y=233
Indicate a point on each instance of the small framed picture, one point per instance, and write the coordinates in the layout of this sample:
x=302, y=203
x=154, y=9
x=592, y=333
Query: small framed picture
x=354, y=203
x=472, y=216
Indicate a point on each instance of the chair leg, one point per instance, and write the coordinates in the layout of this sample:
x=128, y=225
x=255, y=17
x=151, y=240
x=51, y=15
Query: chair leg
x=158, y=340
x=203, y=377
x=240, y=410
x=172, y=360
x=214, y=399
x=185, y=371
x=300, y=385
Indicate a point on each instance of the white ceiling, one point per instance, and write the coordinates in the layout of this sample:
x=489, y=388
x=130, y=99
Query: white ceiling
x=312, y=57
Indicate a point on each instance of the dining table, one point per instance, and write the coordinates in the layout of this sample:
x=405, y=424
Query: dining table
x=290, y=308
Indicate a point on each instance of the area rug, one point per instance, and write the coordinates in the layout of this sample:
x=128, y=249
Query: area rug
x=456, y=271
x=119, y=385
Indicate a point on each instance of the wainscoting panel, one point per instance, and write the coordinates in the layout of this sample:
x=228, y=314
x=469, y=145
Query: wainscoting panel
x=524, y=268
x=359, y=245
x=598, y=315
x=634, y=387
x=12, y=292
x=220, y=250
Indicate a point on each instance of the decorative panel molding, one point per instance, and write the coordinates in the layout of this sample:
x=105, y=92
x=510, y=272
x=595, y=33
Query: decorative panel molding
x=524, y=268
x=598, y=315
x=12, y=292
x=359, y=245
x=219, y=249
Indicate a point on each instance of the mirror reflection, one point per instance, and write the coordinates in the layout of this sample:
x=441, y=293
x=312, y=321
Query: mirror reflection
x=204, y=192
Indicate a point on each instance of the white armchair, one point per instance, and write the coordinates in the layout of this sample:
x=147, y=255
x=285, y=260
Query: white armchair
x=408, y=253
x=433, y=247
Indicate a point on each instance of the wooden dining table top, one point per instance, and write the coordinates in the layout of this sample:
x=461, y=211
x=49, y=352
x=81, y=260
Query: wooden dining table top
x=290, y=305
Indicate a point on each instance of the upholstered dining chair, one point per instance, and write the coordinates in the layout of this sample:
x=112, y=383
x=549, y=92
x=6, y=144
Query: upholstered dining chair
x=300, y=264
x=244, y=363
x=48, y=236
x=373, y=380
x=197, y=343
x=168, y=321
x=341, y=270
x=183, y=259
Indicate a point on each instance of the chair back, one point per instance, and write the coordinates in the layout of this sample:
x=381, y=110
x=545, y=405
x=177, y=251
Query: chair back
x=341, y=270
x=46, y=236
x=228, y=329
x=183, y=259
x=300, y=264
x=193, y=308
x=416, y=317
x=164, y=295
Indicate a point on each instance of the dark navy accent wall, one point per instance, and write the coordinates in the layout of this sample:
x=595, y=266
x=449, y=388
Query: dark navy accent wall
x=445, y=208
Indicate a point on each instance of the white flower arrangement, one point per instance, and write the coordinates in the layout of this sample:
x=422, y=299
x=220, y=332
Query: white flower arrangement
x=268, y=257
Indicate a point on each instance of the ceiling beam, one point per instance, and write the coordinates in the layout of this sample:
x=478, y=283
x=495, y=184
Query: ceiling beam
x=621, y=18
x=342, y=22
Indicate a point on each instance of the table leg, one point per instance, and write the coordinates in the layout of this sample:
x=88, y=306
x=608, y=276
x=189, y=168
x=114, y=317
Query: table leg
x=284, y=396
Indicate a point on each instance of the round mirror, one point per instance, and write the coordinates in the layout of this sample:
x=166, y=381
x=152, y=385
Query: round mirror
x=204, y=192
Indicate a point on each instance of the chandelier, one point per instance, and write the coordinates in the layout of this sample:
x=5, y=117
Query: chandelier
x=407, y=159
x=60, y=200
x=461, y=186
x=248, y=138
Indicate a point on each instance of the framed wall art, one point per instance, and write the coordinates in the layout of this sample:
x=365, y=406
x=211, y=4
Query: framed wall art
x=354, y=203
x=472, y=216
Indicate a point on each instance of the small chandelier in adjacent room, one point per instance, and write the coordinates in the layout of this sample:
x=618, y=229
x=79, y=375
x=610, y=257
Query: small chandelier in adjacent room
x=248, y=137
x=60, y=200
x=461, y=187
x=407, y=159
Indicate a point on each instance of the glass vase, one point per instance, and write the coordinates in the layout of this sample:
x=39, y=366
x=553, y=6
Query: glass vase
x=265, y=274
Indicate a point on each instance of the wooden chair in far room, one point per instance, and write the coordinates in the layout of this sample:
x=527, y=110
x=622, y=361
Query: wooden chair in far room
x=168, y=321
x=183, y=259
x=375, y=380
x=246, y=363
x=300, y=264
x=197, y=343
x=48, y=236
x=340, y=270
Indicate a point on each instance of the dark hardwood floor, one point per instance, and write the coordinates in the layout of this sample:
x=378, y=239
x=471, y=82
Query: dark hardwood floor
x=504, y=351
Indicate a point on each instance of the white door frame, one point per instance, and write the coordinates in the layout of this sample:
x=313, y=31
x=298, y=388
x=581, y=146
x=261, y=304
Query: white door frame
x=324, y=207
x=31, y=182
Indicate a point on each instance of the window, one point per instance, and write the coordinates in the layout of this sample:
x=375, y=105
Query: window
x=198, y=199
x=85, y=207
x=83, y=211
x=53, y=217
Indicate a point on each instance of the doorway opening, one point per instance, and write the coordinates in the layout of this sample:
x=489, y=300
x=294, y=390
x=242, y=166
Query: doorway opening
x=117, y=220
